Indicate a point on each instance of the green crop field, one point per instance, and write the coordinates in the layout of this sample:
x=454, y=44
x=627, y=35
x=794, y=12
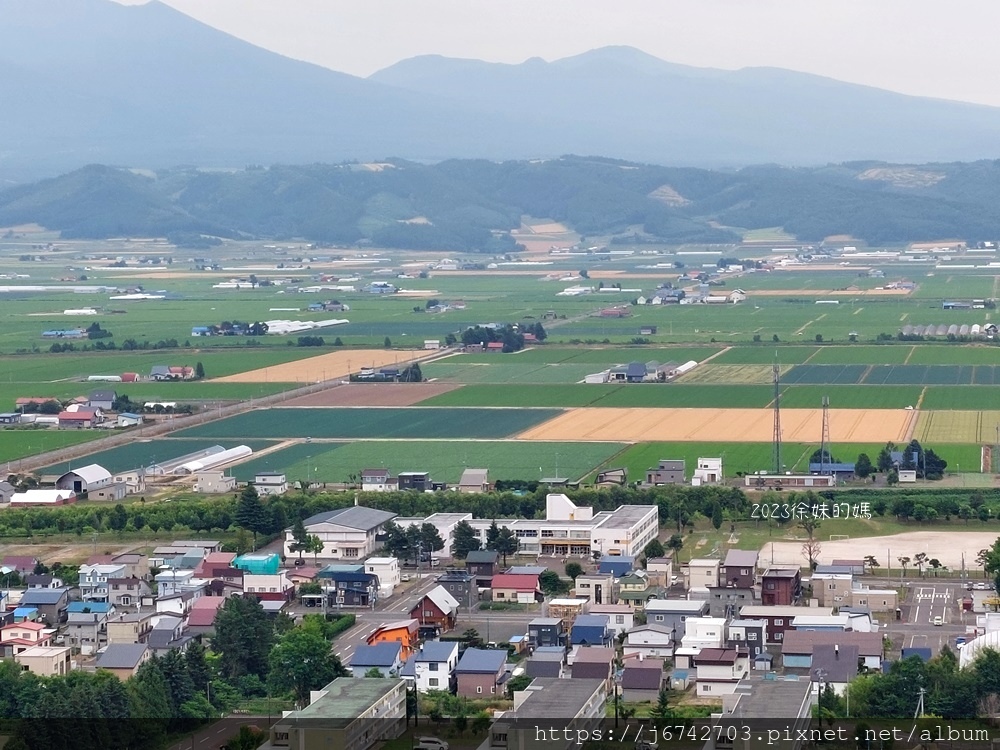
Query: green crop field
x=677, y=395
x=412, y=423
x=326, y=462
x=18, y=443
x=148, y=452
x=824, y=374
x=762, y=354
x=861, y=355
x=508, y=372
x=523, y=395
x=949, y=354
x=850, y=396
x=729, y=374
x=963, y=397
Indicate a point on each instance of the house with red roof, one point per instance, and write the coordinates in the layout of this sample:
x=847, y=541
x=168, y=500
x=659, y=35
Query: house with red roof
x=201, y=618
x=520, y=588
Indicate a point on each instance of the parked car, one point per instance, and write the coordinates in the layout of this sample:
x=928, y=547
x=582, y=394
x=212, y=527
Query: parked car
x=430, y=743
x=404, y=577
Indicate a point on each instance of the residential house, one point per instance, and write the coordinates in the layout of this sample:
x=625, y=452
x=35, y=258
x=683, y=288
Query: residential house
x=87, y=629
x=128, y=419
x=546, y=662
x=136, y=564
x=349, y=589
x=347, y=533
x=123, y=659
x=707, y=471
x=649, y=641
x=20, y=636
x=213, y=482
x=474, y=480
x=747, y=635
x=523, y=589
x=481, y=672
x=635, y=589
x=387, y=570
x=547, y=631
x=103, y=399
x=704, y=632
x=178, y=605
x=616, y=566
x=173, y=581
x=660, y=570
x=568, y=609
x=673, y=613
x=93, y=580
x=384, y=657
x=42, y=581
x=667, y=471
x=85, y=479
x=45, y=661
x=130, y=627
x=590, y=630
x=642, y=680
x=832, y=589
x=779, y=618
x=621, y=617
x=404, y=632
x=726, y=601
x=799, y=645
x=6, y=491
x=269, y=586
x=303, y=574
x=594, y=663
x=377, y=480
x=719, y=670
x=596, y=587
x=50, y=603
x=462, y=587
x=434, y=666
x=201, y=619
x=739, y=569
x=877, y=600
x=830, y=623
x=80, y=419
x=437, y=607
x=169, y=633
x=780, y=587
x=834, y=665
x=703, y=573
x=416, y=481
x=270, y=483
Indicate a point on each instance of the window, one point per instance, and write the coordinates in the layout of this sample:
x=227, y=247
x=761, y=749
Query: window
x=751, y=636
x=433, y=666
x=708, y=688
x=658, y=618
x=779, y=622
x=479, y=688
x=779, y=636
x=619, y=619
x=493, y=689
x=770, y=585
x=432, y=681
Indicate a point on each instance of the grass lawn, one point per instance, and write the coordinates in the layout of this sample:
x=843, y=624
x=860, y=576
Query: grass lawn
x=334, y=462
x=964, y=397
x=930, y=354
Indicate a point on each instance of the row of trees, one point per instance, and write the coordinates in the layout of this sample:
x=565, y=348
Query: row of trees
x=499, y=538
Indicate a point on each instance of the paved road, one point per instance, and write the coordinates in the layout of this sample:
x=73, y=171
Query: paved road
x=925, y=600
x=216, y=735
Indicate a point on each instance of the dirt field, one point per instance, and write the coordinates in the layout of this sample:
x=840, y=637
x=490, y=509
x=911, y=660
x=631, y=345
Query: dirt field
x=707, y=425
x=373, y=394
x=553, y=228
x=324, y=367
x=70, y=554
x=946, y=546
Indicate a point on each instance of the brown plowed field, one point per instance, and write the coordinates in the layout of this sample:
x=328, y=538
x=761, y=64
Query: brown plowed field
x=324, y=367
x=723, y=425
x=373, y=394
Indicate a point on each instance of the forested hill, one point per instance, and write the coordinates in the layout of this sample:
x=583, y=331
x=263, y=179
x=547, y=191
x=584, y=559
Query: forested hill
x=472, y=205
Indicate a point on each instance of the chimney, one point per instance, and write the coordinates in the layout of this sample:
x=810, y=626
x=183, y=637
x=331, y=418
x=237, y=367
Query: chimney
x=836, y=651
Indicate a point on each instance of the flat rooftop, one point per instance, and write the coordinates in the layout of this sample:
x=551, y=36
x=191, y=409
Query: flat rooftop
x=346, y=699
x=557, y=699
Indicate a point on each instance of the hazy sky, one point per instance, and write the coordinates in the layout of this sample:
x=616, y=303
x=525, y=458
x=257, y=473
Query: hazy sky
x=924, y=47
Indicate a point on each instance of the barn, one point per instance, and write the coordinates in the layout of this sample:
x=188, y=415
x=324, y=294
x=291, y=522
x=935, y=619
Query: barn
x=85, y=479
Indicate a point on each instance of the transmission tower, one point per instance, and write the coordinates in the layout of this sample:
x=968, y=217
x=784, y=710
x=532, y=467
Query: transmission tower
x=824, y=446
x=776, y=438
x=920, y=704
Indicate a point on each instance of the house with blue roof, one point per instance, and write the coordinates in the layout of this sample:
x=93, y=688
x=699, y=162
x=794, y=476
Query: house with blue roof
x=350, y=589
x=433, y=666
x=590, y=630
x=385, y=656
x=615, y=565
x=97, y=608
x=481, y=672
x=26, y=614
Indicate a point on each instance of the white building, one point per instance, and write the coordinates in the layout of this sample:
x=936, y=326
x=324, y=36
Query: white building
x=702, y=573
x=267, y=583
x=376, y=480
x=445, y=524
x=650, y=641
x=213, y=482
x=387, y=570
x=85, y=479
x=433, y=665
x=704, y=632
x=347, y=533
x=719, y=670
x=270, y=483
x=707, y=471
x=621, y=617
x=571, y=530
x=42, y=497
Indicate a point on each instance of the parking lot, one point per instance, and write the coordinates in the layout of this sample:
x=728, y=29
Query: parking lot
x=932, y=615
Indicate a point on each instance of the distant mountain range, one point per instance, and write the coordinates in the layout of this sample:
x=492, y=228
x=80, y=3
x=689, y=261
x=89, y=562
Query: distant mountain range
x=472, y=205
x=87, y=81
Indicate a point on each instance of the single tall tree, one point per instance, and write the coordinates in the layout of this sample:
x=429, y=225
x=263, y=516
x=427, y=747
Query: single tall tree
x=506, y=543
x=464, y=540
x=301, y=662
x=243, y=638
x=863, y=466
x=250, y=512
x=300, y=538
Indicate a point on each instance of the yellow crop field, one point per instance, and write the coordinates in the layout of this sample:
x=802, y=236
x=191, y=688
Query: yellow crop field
x=330, y=366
